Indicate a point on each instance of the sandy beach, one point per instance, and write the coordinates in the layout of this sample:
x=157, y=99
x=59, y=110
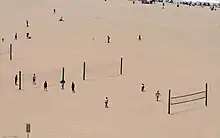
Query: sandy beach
x=179, y=50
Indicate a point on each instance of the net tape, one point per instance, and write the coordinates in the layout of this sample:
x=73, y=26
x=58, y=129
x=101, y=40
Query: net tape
x=187, y=95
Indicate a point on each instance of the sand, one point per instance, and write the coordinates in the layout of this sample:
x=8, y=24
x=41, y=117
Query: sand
x=179, y=50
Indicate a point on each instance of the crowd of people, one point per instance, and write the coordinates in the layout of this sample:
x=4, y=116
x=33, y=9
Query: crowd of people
x=213, y=6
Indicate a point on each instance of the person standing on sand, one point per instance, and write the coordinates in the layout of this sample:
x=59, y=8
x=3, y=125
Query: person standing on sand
x=16, y=79
x=54, y=11
x=45, y=86
x=106, y=102
x=139, y=37
x=27, y=35
x=142, y=87
x=34, y=79
x=62, y=84
x=73, y=87
x=16, y=36
x=27, y=23
x=108, y=39
x=3, y=39
x=157, y=95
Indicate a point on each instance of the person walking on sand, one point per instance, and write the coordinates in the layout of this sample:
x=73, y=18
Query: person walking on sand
x=142, y=88
x=73, y=87
x=16, y=79
x=106, y=102
x=45, y=86
x=108, y=39
x=34, y=79
x=3, y=39
x=157, y=95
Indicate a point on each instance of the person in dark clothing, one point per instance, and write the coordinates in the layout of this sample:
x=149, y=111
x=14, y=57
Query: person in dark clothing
x=16, y=36
x=73, y=87
x=106, y=102
x=142, y=87
x=139, y=37
x=34, y=79
x=61, y=19
x=27, y=23
x=54, y=11
x=3, y=39
x=16, y=79
x=28, y=36
x=45, y=85
x=108, y=39
x=157, y=95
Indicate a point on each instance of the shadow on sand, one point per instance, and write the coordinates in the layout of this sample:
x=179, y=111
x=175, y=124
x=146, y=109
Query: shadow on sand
x=188, y=110
x=100, y=78
x=3, y=53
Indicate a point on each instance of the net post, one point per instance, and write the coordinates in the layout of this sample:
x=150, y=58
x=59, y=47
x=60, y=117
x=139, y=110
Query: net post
x=10, y=50
x=84, y=71
x=206, y=94
x=19, y=80
x=169, y=101
x=63, y=74
x=121, y=67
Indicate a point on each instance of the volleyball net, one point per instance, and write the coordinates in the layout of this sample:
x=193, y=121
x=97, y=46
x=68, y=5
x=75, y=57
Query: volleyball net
x=181, y=99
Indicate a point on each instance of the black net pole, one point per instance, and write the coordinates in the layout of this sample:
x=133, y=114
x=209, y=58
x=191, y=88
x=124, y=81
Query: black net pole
x=19, y=80
x=169, y=101
x=206, y=94
x=84, y=71
x=121, y=67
